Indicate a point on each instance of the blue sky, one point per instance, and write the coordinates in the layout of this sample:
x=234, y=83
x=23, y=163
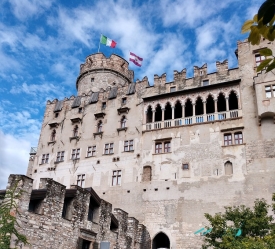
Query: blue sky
x=43, y=43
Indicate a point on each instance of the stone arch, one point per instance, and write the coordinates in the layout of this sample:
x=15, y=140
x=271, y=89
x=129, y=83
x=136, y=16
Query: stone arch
x=178, y=109
x=188, y=108
x=168, y=111
x=158, y=113
x=210, y=104
x=228, y=168
x=161, y=240
x=199, y=106
x=149, y=114
x=147, y=174
x=233, y=100
x=221, y=102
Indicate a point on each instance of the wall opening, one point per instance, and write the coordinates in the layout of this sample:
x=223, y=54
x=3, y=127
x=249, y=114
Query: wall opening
x=199, y=106
x=147, y=174
x=188, y=108
x=233, y=101
x=168, y=112
x=210, y=105
x=149, y=115
x=158, y=114
x=221, y=103
x=178, y=110
x=161, y=240
x=228, y=168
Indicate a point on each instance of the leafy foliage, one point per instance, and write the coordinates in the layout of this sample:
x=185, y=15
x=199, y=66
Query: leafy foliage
x=241, y=227
x=8, y=213
x=263, y=25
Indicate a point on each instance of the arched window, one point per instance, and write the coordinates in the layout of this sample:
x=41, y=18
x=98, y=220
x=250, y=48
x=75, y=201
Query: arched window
x=178, y=110
x=158, y=114
x=188, y=108
x=233, y=101
x=221, y=103
x=210, y=105
x=199, y=106
x=75, y=131
x=149, y=115
x=147, y=174
x=168, y=112
x=53, y=135
x=161, y=240
x=123, y=122
x=99, y=126
x=228, y=168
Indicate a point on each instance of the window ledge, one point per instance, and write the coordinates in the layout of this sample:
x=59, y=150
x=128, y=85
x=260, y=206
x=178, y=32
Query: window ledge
x=99, y=115
x=58, y=162
x=89, y=156
x=162, y=153
x=121, y=129
x=123, y=110
x=42, y=164
x=107, y=154
x=52, y=142
x=224, y=146
x=98, y=134
x=72, y=138
x=129, y=151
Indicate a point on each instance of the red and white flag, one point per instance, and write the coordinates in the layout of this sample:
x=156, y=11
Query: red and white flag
x=136, y=59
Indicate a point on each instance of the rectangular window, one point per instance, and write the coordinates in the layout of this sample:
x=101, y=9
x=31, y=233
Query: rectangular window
x=75, y=153
x=158, y=147
x=45, y=158
x=60, y=156
x=185, y=166
x=129, y=145
x=205, y=82
x=238, y=137
x=270, y=91
x=91, y=151
x=173, y=89
x=109, y=149
x=258, y=59
x=80, y=109
x=123, y=101
x=167, y=146
x=103, y=106
x=116, y=178
x=227, y=139
x=80, y=180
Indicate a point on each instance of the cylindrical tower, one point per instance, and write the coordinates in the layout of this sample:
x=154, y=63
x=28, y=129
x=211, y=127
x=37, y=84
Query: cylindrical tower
x=100, y=72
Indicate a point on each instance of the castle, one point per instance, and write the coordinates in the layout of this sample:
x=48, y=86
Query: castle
x=165, y=154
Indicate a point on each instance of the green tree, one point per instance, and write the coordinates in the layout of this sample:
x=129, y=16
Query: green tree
x=263, y=25
x=8, y=213
x=241, y=228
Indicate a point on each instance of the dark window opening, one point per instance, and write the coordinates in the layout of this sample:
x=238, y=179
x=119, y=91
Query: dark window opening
x=92, y=79
x=53, y=136
x=178, y=110
x=221, y=103
x=158, y=114
x=149, y=115
x=123, y=101
x=161, y=241
x=75, y=131
x=34, y=205
x=80, y=109
x=188, y=108
x=210, y=105
x=168, y=112
x=185, y=166
x=99, y=126
x=233, y=101
x=66, y=212
x=93, y=212
x=199, y=107
x=56, y=114
x=123, y=122
x=103, y=106
x=85, y=244
x=113, y=226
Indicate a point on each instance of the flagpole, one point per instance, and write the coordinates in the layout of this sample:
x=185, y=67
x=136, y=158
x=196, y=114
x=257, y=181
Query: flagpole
x=99, y=43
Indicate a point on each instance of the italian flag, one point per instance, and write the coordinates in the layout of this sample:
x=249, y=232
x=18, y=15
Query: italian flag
x=107, y=41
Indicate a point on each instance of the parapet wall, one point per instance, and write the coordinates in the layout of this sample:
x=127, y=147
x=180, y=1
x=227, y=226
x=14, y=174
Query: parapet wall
x=43, y=221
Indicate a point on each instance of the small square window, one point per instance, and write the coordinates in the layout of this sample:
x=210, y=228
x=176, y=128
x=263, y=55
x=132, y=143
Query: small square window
x=109, y=149
x=92, y=79
x=123, y=101
x=56, y=114
x=91, y=151
x=205, y=82
x=185, y=166
x=80, y=110
x=173, y=89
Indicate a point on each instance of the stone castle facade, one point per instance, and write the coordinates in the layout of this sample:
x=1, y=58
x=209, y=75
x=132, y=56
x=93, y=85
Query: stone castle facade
x=167, y=153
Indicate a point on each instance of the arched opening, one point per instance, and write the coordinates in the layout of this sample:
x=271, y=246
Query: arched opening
x=75, y=131
x=149, y=115
x=228, y=168
x=123, y=122
x=233, y=101
x=210, y=105
x=221, y=103
x=147, y=174
x=158, y=114
x=168, y=112
x=99, y=126
x=178, y=110
x=53, y=135
x=188, y=108
x=161, y=241
x=199, y=106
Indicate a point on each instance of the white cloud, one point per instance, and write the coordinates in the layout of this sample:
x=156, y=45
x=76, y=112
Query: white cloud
x=23, y=9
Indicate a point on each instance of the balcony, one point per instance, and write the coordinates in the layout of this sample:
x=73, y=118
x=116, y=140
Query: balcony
x=211, y=117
